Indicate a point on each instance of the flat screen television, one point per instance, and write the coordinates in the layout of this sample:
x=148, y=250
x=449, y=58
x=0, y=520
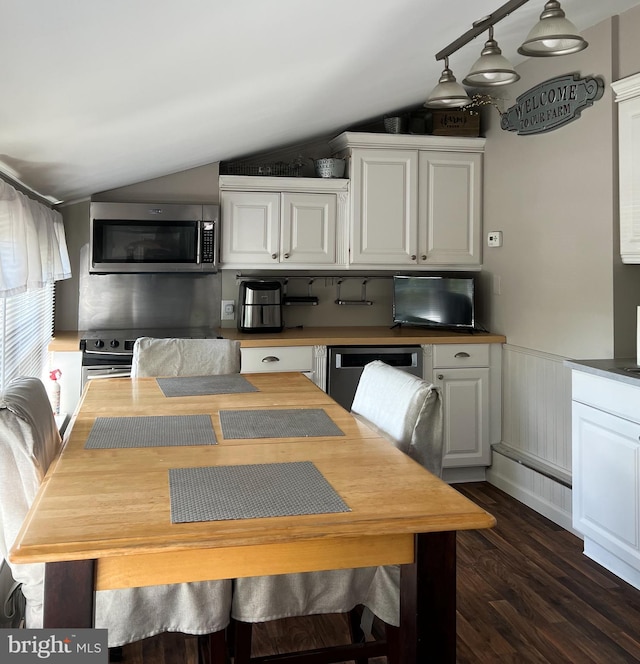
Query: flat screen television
x=434, y=301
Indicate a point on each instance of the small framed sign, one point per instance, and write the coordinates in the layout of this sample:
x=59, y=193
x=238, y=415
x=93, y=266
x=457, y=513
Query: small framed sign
x=552, y=104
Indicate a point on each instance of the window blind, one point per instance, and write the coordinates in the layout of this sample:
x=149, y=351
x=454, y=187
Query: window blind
x=26, y=323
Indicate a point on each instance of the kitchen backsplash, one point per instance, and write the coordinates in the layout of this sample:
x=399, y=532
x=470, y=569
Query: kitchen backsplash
x=326, y=312
x=129, y=301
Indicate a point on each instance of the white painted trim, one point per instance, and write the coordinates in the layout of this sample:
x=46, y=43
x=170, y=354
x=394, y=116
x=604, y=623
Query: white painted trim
x=506, y=478
x=350, y=139
x=295, y=185
x=611, y=562
x=466, y=474
x=626, y=88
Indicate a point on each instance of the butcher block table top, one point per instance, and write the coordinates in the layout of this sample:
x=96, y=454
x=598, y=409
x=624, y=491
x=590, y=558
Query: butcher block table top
x=103, y=518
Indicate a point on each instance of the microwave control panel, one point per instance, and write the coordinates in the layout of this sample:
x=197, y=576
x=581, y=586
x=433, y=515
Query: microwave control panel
x=208, y=249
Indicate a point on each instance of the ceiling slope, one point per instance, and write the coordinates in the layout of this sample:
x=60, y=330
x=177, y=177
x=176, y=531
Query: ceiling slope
x=98, y=95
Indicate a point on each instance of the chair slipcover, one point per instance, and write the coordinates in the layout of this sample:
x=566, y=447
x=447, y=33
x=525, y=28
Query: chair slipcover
x=407, y=411
x=29, y=442
x=184, y=357
x=264, y=598
x=404, y=409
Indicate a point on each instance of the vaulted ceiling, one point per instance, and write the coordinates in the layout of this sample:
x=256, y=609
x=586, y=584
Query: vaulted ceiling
x=97, y=95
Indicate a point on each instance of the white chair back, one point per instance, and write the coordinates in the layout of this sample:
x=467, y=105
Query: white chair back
x=184, y=357
x=29, y=441
x=403, y=408
x=407, y=411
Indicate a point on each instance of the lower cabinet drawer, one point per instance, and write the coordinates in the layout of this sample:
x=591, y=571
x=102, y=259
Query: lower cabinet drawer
x=460, y=355
x=277, y=358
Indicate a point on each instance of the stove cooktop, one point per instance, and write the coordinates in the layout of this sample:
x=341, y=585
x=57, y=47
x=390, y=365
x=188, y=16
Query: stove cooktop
x=121, y=341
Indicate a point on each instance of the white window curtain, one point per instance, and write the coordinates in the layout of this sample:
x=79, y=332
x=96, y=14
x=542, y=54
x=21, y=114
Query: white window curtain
x=33, y=250
x=33, y=255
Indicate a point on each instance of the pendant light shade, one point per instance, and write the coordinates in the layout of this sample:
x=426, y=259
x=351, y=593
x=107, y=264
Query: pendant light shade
x=448, y=93
x=553, y=35
x=491, y=68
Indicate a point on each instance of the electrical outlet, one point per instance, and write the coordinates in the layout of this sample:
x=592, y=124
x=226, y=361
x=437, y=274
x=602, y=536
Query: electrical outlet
x=494, y=238
x=227, y=310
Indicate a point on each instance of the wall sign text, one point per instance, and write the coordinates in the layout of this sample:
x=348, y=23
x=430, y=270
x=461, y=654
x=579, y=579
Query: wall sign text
x=552, y=104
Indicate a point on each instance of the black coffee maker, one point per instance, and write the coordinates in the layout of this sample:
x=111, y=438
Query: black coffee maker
x=260, y=306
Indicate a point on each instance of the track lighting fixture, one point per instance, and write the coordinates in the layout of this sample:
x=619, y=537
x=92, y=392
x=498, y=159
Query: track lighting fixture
x=448, y=93
x=491, y=68
x=553, y=35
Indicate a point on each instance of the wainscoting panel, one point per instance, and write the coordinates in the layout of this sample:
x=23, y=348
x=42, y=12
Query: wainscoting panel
x=533, y=461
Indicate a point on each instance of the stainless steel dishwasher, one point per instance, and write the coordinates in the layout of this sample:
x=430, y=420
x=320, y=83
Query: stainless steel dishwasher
x=347, y=362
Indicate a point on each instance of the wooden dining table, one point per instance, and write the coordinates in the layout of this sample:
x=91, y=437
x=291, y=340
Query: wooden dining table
x=102, y=517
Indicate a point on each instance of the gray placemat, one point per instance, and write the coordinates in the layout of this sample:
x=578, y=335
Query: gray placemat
x=191, y=386
x=283, y=423
x=219, y=493
x=155, y=431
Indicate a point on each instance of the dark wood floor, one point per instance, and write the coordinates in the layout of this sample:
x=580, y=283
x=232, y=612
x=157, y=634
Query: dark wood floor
x=526, y=594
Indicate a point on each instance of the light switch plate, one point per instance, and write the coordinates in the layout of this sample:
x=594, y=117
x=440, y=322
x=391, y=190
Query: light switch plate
x=494, y=238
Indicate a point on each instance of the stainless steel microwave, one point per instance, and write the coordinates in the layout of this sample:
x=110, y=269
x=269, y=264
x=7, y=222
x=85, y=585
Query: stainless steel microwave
x=140, y=237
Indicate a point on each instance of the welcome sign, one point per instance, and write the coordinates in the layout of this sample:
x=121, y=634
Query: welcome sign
x=552, y=104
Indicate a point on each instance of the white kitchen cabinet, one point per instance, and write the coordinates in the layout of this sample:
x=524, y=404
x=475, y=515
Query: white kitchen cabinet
x=627, y=94
x=416, y=201
x=310, y=360
x=469, y=378
x=275, y=224
x=384, y=210
x=606, y=472
x=449, y=208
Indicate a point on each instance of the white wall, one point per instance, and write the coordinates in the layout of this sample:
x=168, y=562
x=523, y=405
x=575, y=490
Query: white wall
x=551, y=195
x=563, y=290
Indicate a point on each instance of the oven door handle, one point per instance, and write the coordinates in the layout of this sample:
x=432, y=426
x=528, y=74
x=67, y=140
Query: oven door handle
x=125, y=373
x=109, y=353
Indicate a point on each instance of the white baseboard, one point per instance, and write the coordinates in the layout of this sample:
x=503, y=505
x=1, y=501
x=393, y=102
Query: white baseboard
x=611, y=562
x=519, y=482
x=459, y=475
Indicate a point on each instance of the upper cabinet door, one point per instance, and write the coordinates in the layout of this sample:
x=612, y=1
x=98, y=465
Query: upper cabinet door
x=308, y=228
x=251, y=232
x=450, y=207
x=384, y=207
x=628, y=97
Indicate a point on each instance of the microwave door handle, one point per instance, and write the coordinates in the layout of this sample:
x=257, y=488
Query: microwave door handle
x=199, y=243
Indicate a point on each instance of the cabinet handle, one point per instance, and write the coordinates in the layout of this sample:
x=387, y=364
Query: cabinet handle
x=440, y=376
x=423, y=257
x=271, y=358
x=274, y=256
x=462, y=354
x=413, y=257
x=286, y=255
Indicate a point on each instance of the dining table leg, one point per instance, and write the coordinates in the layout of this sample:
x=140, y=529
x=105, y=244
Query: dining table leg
x=427, y=630
x=68, y=594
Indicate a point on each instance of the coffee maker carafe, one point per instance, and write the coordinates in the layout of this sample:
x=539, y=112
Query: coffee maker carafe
x=260, y=306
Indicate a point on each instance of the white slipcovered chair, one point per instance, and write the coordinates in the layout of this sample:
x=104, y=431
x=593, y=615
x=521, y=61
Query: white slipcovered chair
x=407, y=411
x=29, y=441
x=404, y=409
x=184, y=357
